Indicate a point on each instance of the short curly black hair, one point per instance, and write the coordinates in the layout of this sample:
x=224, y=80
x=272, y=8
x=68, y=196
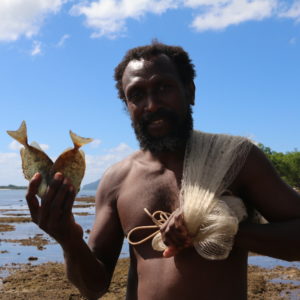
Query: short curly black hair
x=178, y=56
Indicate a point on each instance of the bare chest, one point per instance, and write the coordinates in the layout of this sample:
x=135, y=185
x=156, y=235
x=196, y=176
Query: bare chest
x=153, y=190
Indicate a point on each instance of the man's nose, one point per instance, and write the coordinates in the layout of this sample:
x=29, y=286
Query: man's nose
x=153, y=102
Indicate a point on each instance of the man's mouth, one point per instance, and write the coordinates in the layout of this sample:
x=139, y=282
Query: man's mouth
x=157, y=123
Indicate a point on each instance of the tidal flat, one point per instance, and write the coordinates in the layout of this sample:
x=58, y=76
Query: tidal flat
x=31, y=263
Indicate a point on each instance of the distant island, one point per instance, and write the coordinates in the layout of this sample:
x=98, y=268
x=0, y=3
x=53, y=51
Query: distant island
x=91, y=186
x=12, y=187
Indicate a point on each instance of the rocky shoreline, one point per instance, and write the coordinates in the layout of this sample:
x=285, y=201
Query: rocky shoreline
x=48, y=281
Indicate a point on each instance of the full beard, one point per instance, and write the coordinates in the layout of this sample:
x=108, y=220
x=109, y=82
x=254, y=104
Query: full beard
x=175, y=139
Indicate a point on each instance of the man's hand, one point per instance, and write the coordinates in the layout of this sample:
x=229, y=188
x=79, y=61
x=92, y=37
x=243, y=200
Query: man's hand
x=175, y=234
x=54, y=214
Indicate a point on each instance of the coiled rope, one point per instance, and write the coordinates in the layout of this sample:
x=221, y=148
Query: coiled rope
x=158, y=218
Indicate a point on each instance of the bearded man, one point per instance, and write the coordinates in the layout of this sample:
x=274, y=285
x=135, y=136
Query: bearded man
x=155, y=82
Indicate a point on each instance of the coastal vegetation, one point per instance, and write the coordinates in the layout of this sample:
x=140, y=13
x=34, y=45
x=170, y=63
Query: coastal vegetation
x=287, y=165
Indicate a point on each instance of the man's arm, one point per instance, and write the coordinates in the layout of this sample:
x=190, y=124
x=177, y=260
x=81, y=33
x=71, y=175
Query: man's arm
x=259, y=185
x=88, y=268
x=262, y=188
x=91, y=267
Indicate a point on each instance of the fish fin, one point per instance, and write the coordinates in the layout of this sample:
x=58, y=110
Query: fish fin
x=20, y=135
x=36, y=146
x=79, y=141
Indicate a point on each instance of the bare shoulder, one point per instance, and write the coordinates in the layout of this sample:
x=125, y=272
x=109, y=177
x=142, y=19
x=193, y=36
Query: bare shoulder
x=107, y=234
x=261, y=186
x=113, y=178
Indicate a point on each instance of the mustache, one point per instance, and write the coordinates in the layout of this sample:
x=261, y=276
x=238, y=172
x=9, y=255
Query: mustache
x=161, y=113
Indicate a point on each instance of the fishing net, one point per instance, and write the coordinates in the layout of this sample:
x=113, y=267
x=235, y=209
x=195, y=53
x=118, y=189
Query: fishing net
x=212, y=162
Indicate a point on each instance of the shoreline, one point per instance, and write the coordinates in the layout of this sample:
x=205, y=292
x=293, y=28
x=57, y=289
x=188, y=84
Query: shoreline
x=36, y=278
x=48, y=281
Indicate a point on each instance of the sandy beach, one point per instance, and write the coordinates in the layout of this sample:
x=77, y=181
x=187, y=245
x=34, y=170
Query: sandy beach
x=34, y=280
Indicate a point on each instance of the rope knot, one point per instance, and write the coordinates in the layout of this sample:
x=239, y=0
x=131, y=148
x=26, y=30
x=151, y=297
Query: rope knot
x=159, y=218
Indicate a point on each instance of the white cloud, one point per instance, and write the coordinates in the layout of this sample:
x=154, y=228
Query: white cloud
x=37, y=48
x=108, y=17
x=95, y=143
x=24, y=18
x=198, y=3
x=293, y=12
x=121, y=148
x=222, y=14
x=11, y=169
x=11, y=165
x=62, y=40
x=14, y=145
x=97, y=164
x=44, y=147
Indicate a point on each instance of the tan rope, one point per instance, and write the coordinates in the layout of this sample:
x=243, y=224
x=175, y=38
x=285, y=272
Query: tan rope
x=158, y=218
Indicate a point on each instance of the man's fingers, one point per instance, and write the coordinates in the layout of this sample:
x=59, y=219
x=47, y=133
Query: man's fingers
x=70, y=199
x=52, y=189
x=170, y=251
x=32, y=200
x=34, y=184
x=50, y=194
x=175, y=234
x=59, y=206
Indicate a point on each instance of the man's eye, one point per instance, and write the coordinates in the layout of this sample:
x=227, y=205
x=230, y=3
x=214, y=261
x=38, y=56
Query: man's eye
x=135, y=96
x=164, y=87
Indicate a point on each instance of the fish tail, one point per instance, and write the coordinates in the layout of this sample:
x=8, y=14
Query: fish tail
x=79, y=141
x=20, y=135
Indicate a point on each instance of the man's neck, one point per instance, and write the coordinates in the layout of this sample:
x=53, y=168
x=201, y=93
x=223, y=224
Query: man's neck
x=169, y=159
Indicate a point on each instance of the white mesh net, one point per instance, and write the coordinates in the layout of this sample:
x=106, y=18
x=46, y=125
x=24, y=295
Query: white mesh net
x=212, y=161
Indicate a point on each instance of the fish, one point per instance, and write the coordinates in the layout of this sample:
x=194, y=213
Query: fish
x=71, y=163
x=34, y=159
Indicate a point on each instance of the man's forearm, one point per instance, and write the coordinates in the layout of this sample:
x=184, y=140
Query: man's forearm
x=84, y=270
x=280, y=240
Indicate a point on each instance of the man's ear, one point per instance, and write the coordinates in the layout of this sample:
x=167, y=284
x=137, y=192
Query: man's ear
x=190, y=90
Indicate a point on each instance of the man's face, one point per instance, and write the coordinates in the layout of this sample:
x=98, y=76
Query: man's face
x=158, y=103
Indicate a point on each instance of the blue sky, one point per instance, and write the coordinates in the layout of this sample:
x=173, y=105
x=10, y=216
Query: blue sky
x=57, y=59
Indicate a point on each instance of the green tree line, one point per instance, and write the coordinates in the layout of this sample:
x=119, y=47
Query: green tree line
x=287, y=164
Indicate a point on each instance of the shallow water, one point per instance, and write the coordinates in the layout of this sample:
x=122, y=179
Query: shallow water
x=269, y=262
x=285, y=281
x=291, y=294
x=15, y=199
x=13, y=202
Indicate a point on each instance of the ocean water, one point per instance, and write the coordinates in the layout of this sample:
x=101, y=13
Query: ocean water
x=13, y=202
